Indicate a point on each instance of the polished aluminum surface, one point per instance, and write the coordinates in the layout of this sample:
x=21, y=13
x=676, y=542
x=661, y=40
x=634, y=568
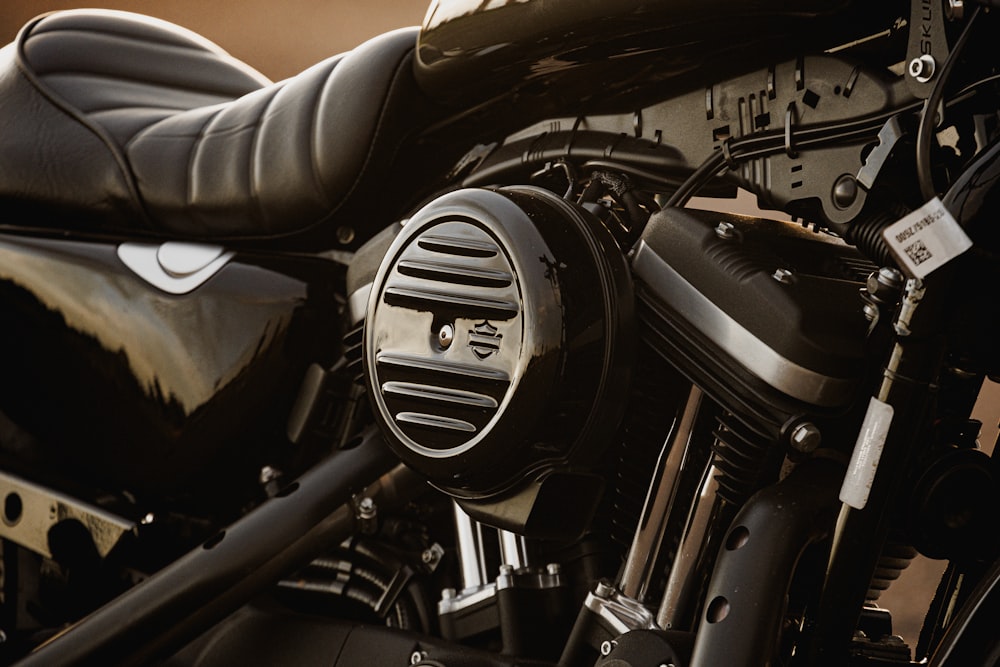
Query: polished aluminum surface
x=638, y=574
x=471, y=558
x=677, y=595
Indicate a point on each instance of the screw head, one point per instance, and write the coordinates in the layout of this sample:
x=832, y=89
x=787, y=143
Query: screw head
x=922, y=68
x=446, y=336
x=607, y=647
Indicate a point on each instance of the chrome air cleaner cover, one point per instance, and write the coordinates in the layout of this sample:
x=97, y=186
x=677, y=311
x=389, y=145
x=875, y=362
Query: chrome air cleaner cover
x=496, y=339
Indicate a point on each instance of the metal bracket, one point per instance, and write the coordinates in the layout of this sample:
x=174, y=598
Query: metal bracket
x=29, y=511
x=890, y=133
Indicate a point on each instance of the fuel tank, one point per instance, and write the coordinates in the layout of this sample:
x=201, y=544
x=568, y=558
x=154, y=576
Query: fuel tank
x=486, y=48
x=154, y=385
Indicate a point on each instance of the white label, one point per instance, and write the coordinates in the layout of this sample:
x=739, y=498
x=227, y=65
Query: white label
x=867, y=452
x=926, y=239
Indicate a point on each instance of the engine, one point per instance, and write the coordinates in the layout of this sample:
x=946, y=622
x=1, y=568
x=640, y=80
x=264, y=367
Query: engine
x=497, y=347
x=499, y=341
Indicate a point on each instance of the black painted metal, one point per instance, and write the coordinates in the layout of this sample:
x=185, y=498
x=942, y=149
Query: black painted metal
x=158, y=393
x=497, y=344
x=176, y=604
x=473, y=47
x=747, y=595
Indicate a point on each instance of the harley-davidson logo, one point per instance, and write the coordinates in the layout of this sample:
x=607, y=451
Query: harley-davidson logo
x=484, y=339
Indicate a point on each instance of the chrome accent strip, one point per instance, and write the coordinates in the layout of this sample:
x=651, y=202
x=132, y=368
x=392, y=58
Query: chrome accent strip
x=440, y=394
x=755, y=355
x=30, y=510
x=408, y=361
x=435, y=421
x=175, y=267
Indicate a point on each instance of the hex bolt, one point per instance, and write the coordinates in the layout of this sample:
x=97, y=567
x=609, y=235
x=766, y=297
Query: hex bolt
x=366, y=508
x=553, y=569
x=784, y=276
x=955, y=11
x=604, y=590
x=725, y=230
x=448, y=593
x=806, y=438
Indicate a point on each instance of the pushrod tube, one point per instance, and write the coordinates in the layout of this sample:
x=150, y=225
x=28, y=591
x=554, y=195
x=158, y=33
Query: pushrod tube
x=677, y=598
x=469, y=534
x=160, y=615
x=637, y=575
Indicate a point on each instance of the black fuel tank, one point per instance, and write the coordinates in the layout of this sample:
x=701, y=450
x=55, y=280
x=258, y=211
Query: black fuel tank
x=128, y=386
x=485, y=47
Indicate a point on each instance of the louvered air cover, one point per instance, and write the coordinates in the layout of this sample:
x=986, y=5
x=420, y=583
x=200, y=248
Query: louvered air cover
x=492, y=336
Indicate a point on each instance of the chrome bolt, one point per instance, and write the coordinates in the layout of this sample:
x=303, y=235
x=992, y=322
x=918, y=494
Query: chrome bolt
x=417, y=657
x=553, y=569
x=725, y=230
x=446, y=336
x=607, y=647
x=784, y=276
x=448, y=593
x=148, y=519
x=269, y=474
x=604, y=590
x=506, y=570
x=871, y=312
x=955, y=11
x=806, y=437
x=366, y=508
x=922, y=68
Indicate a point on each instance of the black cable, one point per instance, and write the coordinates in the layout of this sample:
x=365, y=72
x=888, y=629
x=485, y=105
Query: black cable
x=925, y=128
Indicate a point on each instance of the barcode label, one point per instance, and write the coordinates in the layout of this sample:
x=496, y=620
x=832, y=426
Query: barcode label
x=926, y=239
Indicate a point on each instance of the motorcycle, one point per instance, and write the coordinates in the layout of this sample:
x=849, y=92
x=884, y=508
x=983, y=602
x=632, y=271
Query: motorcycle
x=429, y=355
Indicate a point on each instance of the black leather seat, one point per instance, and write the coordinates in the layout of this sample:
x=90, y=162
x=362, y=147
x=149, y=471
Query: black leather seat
x=113, y=122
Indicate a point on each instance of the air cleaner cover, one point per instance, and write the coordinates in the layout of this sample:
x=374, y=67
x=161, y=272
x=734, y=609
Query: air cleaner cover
x=499, y=324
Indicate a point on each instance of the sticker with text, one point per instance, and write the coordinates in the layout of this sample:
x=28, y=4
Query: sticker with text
x=926, y=239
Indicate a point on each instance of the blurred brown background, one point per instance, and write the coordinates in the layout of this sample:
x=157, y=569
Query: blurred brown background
x=278, y=37
x=281, y=38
